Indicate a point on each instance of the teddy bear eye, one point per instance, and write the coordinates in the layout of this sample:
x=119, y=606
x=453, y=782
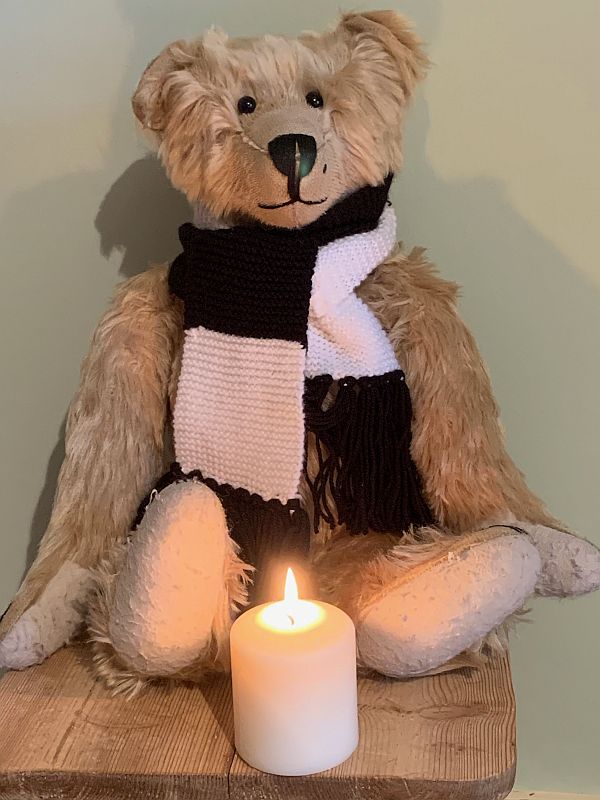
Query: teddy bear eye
x=246, y=104
x=314, y=99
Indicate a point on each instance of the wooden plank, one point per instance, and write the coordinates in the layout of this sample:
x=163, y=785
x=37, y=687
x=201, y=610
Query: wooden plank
x=523, y=794
x=434, y=738
x=63, y=735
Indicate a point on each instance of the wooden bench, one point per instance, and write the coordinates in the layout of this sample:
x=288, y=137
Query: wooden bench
x=448, y=737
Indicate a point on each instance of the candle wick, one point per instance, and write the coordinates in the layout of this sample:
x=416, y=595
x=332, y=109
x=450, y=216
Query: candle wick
x=291, y=619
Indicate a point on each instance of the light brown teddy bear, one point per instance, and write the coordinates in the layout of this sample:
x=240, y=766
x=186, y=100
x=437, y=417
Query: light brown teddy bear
x=319, y=397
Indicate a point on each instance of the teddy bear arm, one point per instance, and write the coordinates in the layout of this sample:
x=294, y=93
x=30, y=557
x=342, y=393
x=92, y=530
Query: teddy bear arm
x=458, y=443
x=113, y=454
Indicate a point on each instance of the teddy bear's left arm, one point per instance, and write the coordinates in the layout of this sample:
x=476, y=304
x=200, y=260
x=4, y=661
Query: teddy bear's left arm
x=458, y=444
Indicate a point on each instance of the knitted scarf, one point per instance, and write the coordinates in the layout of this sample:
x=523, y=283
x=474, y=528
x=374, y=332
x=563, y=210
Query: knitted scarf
x=278, y=348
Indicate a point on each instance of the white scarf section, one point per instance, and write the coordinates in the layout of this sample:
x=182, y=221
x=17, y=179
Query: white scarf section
x=344, y=336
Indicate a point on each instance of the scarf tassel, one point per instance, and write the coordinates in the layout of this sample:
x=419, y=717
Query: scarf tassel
x=362, y=431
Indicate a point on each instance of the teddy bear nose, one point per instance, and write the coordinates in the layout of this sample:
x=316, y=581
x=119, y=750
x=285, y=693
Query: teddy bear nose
x=294, y=154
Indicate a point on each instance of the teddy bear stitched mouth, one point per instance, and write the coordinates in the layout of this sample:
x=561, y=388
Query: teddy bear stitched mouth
x=291, y=202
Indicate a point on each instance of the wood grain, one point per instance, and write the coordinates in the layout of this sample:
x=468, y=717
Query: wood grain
x=532, y=795
x=61, y=729
x=449, y=737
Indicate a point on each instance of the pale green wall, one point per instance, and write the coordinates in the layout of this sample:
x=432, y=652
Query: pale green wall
x=502, y=183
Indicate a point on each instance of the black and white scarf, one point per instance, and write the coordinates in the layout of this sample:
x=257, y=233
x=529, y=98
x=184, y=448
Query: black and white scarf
x=279, y=347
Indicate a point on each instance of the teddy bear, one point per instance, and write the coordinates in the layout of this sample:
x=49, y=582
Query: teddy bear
x=294, y=389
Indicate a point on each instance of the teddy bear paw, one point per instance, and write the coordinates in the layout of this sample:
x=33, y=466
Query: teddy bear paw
x=570, y=564
x=49, y=623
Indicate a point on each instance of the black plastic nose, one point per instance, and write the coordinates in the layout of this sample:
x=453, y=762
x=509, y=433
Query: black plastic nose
x=294, y=155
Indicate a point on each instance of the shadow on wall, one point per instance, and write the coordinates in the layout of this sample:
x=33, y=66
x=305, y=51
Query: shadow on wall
x=140, y=216
x=512, y=275
x=43, y=507
x=508, y=269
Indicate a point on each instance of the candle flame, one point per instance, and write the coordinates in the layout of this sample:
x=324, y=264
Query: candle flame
x=290, y=594
x=290, y=615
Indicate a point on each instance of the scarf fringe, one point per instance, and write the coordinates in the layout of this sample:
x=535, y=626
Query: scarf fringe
x=366, y=478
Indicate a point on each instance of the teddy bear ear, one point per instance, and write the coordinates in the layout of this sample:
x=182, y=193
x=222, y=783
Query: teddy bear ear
x=147, y=101
x=396, y=36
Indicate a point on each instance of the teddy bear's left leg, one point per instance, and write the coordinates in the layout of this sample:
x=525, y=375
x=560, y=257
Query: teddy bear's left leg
x=419, y=604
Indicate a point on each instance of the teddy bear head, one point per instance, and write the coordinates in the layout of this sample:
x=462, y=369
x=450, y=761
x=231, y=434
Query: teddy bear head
x=277, y=129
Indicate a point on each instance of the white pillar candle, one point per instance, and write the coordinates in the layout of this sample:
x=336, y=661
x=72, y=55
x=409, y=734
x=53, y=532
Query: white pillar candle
x=293, y=667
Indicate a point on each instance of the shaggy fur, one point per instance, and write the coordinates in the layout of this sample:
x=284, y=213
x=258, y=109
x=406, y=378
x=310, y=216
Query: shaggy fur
x=408, y=285
x=118, y=436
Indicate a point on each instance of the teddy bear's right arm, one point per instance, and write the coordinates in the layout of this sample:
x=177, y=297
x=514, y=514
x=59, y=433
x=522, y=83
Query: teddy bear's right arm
x=458, y=444
x=114, y=452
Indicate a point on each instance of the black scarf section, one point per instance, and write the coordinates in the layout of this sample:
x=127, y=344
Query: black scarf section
x=256, y=280
x=362, y=432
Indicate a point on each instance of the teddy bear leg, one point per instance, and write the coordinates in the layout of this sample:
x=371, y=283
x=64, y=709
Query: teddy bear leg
x=421, y=603
x=425, y=616
x=166, y=609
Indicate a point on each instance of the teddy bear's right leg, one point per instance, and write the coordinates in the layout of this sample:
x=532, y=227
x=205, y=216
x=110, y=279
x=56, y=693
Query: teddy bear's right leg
x=166, y=607
x=421, y=603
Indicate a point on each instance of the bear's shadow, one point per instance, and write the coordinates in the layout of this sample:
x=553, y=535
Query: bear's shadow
x=140, y=215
